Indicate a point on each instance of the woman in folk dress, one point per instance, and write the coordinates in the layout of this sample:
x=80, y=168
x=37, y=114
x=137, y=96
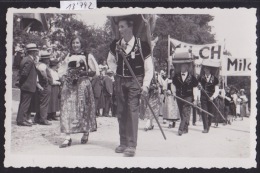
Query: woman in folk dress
x=154, y=101
x=243, y=104
x=171, y=110
x=77, y=99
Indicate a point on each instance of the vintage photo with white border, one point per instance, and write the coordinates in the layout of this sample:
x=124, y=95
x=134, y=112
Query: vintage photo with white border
x=131, y=87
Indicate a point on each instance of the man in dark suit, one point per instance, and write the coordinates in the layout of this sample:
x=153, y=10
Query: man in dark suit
x=44, y=91
x=138, y=54
x=27, y=84
x=108, y=91
x=186, y=88
x=97, y=86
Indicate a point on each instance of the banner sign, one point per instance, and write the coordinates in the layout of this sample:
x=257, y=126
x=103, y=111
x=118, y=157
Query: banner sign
x=232, y=66
x=206, y=51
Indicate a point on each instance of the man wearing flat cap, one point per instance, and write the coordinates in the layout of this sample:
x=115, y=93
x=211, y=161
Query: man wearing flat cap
x=138, y=54
x=27, y=84
x=44, y=88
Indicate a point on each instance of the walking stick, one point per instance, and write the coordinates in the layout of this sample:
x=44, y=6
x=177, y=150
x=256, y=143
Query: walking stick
x=213, y=104
x=136, y=80
x=193, y=105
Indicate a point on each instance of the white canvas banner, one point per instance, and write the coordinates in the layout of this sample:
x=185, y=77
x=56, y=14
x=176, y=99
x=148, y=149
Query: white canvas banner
x=232, y=66
x=205, y=51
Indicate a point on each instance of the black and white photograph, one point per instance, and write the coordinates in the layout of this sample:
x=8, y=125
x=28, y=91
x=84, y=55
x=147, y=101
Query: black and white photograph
x=131, y=88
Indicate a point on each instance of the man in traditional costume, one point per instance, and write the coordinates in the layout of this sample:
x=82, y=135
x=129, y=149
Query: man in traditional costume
x=138, y=54
x=209, y=92
x=186, y=88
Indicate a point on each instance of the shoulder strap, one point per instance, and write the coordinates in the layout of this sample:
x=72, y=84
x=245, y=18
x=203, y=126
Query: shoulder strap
x=140, y=47
x=86, y=55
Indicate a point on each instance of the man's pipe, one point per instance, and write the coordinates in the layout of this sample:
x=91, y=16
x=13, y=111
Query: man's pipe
x=193, y=105
x=136, y=80
x=213, y=104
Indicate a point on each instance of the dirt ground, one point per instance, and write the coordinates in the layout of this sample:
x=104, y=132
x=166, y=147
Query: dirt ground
x=231, y=141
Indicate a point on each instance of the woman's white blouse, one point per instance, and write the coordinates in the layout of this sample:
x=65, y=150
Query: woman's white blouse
x=92, y=64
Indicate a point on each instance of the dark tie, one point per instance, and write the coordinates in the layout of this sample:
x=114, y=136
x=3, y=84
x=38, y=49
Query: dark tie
x=183, y=74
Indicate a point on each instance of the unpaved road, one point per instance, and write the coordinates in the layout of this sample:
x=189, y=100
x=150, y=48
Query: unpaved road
x=225, y=141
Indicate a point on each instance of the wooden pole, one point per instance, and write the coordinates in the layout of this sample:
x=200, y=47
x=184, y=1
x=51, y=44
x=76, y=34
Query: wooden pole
x=181, y=99
x=169, y=52
x=145, y=98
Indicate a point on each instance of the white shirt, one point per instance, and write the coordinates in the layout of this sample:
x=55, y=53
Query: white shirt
x=148, y=63
x=129, y=45
x=92, y=63
x=42, y=68
x=184, y=76
x=54, y=76
x=216, y=93
x=208, y=77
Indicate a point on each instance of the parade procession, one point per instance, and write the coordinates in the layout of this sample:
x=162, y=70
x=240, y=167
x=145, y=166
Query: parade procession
x=142, y=85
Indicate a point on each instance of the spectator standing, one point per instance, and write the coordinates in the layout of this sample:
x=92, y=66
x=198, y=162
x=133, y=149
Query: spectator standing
x=108, y=92
x=44, y=89
x=54, y=103
x=27, y=84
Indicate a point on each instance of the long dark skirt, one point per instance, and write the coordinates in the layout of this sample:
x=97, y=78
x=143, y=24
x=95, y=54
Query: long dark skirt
x=54, y=104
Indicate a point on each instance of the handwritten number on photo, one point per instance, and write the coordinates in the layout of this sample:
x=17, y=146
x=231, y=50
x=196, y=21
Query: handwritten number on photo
x=82, y=5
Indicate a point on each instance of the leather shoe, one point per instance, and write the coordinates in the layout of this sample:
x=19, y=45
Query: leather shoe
x=66, y=143
x=120, y=149
x=24, y=124
x=84, y=138
x=45, y=123
x=173, y=124
x=179, y=132
x=185, y=131
x=31, y=122
x=55, y=118
x=129, y=152
x=205, y=131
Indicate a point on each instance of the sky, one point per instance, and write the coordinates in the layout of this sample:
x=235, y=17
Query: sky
x=236, y=26
x=238, y=29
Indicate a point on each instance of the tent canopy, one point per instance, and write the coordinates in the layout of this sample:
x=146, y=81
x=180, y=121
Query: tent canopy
x=36, y=21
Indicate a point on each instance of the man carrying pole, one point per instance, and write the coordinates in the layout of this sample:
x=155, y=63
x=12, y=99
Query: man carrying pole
x=138, y=56
x=186, y=89
x=210, y=91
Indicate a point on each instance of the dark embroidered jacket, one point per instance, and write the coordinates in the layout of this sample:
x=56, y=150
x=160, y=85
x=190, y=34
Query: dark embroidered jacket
x=136, y=62
x=227, y=102
x=184, y=89
x=209, y=87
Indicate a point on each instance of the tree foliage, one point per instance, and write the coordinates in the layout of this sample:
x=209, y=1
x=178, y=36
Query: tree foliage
x=62, y=27
x=190, y=28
